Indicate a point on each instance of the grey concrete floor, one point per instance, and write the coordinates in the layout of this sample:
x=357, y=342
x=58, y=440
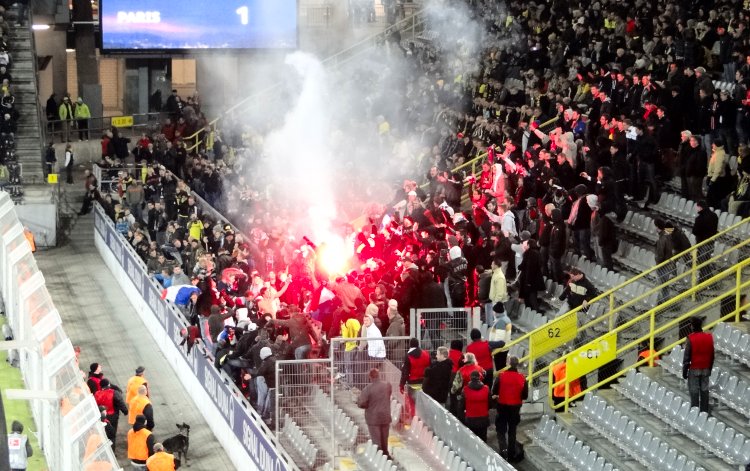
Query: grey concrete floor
x=97, y=317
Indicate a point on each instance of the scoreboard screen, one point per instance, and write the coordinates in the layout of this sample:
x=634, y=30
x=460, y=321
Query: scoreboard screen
x=179, y=25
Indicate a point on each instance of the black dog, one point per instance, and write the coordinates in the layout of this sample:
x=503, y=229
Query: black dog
x=179, y=444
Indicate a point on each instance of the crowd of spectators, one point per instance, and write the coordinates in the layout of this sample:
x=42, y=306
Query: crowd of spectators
x=10, y=170
x=583, y=111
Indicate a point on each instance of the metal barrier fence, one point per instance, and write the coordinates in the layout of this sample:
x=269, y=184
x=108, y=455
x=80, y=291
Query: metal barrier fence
x=316, y=400
x=70, y=130
x=454, y=434
x=303, y=409
x=66, y=416
x=438, y=327
x=683, y=275
x=656, y=331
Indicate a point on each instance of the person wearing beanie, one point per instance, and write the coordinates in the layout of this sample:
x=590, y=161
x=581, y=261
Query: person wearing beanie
x=110, y=397
x=265, y=380
x=510, y=390
x=94, y=377
x=476, y=405
x=412, y=373
x=664, y=252
x=375, y=399
x=454, y=285
x=140, y=443
x=482, y=350
x=19, y=447
x=135, y=382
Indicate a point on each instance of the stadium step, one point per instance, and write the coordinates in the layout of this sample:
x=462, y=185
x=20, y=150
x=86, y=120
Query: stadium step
x=28, y=136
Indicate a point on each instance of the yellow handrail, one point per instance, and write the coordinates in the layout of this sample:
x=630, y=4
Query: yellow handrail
x=615, y=308
x=735, y=271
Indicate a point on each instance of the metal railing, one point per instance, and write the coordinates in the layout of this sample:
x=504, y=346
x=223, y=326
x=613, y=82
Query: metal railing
x=35, y=65
x=407, y=25
x=142, y=122
x=686, y=272
x=726, y=305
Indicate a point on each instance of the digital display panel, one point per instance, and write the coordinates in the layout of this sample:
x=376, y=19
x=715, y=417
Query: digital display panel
x=180, y=25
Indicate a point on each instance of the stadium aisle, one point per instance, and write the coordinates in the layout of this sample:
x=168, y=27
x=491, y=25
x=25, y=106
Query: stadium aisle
x=98, y=318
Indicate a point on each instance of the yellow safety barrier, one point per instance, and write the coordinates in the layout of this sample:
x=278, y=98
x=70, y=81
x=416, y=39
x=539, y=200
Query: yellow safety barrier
x=629, y=300
x=714, y=302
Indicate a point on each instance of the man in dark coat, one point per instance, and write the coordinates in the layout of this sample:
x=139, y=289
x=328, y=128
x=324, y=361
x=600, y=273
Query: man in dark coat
x=438, y=377
x=375, y=399
x=530, y=280
x=706, y=226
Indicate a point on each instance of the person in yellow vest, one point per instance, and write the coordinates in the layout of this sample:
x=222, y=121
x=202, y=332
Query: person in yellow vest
x=559, y=371
x=30, y=237
x=134, y=383
x=161, y=460
x=141, y=405
x=82, y=115
x=140, y=443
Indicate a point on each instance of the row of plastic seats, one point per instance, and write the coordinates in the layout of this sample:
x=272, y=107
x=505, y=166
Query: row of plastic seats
x=675, y=206
x=529, y=320
x=371, y=458
x=634, y=440
x=635, y=257
x=396, y=411
x=719, y=85
x=732, y=342
x=423, y=437
x=724, y=386
x=640, y=225
x=566, y=448
x=713, y=435
x=300, y=442
x=346, y=429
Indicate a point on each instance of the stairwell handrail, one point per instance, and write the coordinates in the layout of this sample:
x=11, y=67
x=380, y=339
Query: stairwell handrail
x=733, y=271
x=692, y=252
x=35, y=65
x=334, y=59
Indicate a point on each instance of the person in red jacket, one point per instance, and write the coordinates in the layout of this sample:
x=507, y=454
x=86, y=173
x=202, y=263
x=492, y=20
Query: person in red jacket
x=697, y=363
x=477, y=405
x=510, y=390
x=456, y=354
x=110, y=397
x=482, y=350
x=412, y=373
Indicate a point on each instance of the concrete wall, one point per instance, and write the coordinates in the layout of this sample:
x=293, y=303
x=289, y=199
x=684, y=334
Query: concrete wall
x=41, y=219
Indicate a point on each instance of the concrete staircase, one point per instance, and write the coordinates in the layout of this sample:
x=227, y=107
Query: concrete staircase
x=29, y=137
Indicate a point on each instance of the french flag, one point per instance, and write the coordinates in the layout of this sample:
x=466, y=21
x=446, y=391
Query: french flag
x=179, y=294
